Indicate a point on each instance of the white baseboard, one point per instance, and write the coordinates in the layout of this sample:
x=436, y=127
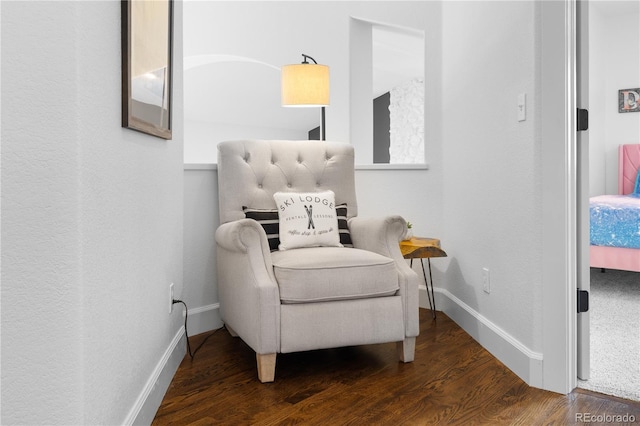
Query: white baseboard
x=203, y=319
x=524, y=362
x=423, y=301
x=147, y=404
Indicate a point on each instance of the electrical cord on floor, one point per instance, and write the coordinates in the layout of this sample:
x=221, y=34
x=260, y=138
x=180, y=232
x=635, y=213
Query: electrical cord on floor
x=186, y=334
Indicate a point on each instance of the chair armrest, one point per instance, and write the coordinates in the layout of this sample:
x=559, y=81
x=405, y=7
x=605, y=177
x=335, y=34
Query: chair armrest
x=242, y=235
x=247, y=289
x=382, y=236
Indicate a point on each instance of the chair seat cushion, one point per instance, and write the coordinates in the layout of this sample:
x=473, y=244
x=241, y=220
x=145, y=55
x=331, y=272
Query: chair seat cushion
x=318, y=274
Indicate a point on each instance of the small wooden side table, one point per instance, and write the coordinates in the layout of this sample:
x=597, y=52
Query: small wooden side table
x=423, y=248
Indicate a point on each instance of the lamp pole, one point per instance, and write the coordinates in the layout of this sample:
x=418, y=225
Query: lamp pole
x=322, y=119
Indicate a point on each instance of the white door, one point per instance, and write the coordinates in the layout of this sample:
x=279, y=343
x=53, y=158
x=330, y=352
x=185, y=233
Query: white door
x=582, y=205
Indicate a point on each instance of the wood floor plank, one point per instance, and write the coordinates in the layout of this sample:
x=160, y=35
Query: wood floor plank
x=453, y=380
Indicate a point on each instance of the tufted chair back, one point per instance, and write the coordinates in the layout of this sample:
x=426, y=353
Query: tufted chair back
x=253, y=170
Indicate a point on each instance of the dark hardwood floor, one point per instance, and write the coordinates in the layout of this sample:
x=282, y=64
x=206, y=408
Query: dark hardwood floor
x=453, y=380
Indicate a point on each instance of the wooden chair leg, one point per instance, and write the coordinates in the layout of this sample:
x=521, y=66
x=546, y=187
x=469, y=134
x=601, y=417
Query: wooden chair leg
x=266, y=367
x=407, y=349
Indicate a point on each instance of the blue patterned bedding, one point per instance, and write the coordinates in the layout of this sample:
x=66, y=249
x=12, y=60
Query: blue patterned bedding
x=615, y=220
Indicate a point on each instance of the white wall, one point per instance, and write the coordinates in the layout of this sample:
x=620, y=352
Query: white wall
x=201, y=219
x=239, y=29
x=203, y=137
x=597, y=96
x=41, y=298
x=614, y=64
x=491, y=161
x=91, y=224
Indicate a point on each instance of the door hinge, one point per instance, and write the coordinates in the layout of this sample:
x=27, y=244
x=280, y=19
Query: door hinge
x=583, y=119
x=583, y=301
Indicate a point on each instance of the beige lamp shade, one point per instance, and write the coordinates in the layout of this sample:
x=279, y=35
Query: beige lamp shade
x=305, y=85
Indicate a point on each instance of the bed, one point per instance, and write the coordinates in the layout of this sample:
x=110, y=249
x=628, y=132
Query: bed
x=615, y=219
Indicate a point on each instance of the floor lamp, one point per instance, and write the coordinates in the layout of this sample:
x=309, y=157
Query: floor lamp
x=306, y=85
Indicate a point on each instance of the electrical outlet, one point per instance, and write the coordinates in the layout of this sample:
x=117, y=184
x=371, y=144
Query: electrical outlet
x=486, y=281
x=171, y=298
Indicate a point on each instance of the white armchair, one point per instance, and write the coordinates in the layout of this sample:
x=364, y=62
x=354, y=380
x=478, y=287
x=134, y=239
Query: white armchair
x=315, y=297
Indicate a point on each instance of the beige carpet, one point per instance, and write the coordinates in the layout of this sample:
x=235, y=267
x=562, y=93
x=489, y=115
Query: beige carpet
x=615, y=334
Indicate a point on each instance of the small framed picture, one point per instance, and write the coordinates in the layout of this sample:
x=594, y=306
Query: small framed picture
x=629, y=100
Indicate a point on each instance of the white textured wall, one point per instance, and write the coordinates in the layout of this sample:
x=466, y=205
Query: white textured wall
x=406, y=127
x=491, y=162
x=91, y=221
x=41, y=295
x=614, y=65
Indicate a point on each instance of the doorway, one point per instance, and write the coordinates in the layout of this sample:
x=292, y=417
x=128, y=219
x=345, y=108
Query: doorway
x=608, y=335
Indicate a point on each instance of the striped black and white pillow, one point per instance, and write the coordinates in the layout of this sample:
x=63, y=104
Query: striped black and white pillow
x=269, y=221
x=343, y=227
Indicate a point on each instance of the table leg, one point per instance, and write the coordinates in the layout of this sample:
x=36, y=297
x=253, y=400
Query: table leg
x=432, y=298
x=430, y=295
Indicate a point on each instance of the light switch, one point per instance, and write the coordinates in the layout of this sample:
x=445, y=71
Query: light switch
x=522, y=107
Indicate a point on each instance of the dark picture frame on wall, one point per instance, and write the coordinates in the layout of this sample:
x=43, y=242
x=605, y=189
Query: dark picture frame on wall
x=147, y=66
x=629, y=100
